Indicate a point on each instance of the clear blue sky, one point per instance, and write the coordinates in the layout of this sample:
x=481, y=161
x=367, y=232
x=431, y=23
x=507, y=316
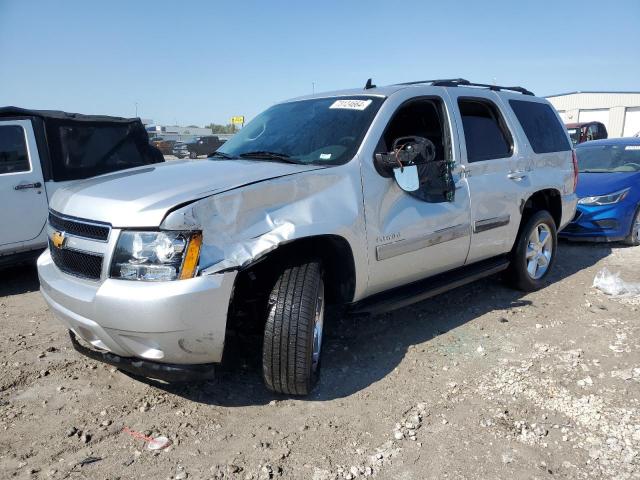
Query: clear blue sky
x=203, y=61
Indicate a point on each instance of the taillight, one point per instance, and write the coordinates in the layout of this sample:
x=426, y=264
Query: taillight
x=575, y=169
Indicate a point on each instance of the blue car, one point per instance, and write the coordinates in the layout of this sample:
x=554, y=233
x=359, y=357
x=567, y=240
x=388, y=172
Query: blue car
x=608, y=191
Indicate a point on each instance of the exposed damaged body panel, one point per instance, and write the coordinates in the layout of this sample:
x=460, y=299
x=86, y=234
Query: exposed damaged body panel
x=242, y=225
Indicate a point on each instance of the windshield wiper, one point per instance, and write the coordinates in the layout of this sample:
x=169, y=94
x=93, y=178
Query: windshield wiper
x=593, y=171
x=265, y=155
x=221, y=155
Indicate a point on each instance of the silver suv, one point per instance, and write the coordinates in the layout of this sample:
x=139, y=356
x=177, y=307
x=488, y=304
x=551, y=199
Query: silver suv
x=371, y=198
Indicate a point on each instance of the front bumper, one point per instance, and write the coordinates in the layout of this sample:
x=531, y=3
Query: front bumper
x=169, y=372
x=600, y=223
x=180, y=322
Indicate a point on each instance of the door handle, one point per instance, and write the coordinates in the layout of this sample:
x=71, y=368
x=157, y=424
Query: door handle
x=517, y=175
x=25, y=186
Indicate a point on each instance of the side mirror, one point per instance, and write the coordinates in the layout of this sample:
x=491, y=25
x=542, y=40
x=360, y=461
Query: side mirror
x=402, y=161
x=407, y=178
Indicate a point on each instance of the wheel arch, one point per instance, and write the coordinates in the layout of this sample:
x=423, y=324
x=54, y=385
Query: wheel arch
x=334, y=252
x=549, y=199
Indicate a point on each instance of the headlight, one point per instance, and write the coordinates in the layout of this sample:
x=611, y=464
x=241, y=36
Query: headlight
x=156, y=256
x=604, y=199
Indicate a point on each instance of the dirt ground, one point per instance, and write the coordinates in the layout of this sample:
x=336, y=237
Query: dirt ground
x=481, y=382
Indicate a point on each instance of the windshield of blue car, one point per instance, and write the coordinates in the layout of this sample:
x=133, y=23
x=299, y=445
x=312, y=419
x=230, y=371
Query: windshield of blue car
x=321, y=131
x=608, y=158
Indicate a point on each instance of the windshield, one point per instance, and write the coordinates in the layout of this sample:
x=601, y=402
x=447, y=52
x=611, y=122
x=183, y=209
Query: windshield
x=574, y=133
x=323, y=131
x=608, y=158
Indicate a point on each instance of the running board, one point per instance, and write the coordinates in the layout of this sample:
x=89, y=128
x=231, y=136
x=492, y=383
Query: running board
x=421, y=290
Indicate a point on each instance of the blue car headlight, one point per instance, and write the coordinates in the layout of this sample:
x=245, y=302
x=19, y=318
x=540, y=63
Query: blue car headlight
x=608, y=199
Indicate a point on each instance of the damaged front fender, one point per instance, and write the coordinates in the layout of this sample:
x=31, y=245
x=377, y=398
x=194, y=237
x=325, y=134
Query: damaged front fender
x=242, y=225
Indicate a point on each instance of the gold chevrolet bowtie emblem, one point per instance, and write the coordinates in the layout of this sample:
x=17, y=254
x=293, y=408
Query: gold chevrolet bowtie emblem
x=58, y=239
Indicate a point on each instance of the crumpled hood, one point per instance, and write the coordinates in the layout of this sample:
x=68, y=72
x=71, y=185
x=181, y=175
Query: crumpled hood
x=141, y=197
x=590, y=184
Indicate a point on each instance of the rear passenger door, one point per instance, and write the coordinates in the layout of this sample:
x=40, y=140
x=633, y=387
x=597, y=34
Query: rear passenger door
x=497, y=174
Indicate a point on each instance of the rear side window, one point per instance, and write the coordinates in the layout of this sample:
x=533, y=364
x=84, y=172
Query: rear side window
x=485, y=132
x=13, y=150
x=541, y=126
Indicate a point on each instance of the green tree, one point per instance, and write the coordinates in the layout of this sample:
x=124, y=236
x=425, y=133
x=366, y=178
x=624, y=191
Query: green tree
x=217, y=128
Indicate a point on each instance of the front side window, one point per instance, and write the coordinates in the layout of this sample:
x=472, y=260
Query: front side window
x=574, y=134
x=541, y=126
x=13, y=150
x=425, y=118
x=322, y=131
x=485, y=131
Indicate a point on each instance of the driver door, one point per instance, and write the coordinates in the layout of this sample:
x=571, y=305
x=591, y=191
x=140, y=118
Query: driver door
x=409, y=238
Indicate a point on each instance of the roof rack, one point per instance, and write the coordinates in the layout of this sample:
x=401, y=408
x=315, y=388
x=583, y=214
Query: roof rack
x=461, y=82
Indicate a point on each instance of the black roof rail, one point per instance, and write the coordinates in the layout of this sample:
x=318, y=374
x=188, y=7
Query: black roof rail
x=461, y=82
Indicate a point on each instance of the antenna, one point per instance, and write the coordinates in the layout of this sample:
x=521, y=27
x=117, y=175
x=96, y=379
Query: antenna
x=369, y=85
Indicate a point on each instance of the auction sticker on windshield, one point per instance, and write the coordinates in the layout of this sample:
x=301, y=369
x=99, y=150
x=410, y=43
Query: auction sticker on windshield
x=351, y=104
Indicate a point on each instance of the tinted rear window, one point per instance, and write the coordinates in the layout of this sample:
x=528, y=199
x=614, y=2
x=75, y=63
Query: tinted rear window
x=485, y=132
x=13, y=150
x=541, y=126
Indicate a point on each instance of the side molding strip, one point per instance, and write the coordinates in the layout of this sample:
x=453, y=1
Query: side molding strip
x=390, y=250
x=490, y=223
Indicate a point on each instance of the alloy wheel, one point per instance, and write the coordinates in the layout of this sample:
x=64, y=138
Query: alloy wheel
x=539, y=251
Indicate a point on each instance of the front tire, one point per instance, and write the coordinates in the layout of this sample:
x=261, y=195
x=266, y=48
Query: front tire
x=192, y=155
x=293, y=331
x=534, y=254
x=633, y=239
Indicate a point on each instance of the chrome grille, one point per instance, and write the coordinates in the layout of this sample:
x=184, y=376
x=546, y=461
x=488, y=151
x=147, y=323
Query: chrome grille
x=79, y=227
x=80, y=264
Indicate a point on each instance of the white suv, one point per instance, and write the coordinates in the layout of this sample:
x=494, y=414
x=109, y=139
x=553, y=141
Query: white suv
x=374, y=198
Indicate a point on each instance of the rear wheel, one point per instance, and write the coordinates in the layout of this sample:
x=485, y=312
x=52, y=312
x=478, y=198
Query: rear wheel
x=534, y=253
x=633, y=238
x=293, y=331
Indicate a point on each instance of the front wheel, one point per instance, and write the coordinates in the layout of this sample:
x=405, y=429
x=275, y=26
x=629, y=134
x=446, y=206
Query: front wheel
x=633, y=238
x=193, y=155
x=293, y=331
x=534, y=253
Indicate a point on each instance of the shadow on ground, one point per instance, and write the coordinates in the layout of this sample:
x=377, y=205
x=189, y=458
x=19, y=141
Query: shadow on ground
x=359, y=351
x=18, y=279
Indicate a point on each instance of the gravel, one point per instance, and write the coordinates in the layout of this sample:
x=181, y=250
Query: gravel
x=481, y=382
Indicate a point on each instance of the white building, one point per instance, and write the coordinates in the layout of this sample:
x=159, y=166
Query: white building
x=619, y=111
